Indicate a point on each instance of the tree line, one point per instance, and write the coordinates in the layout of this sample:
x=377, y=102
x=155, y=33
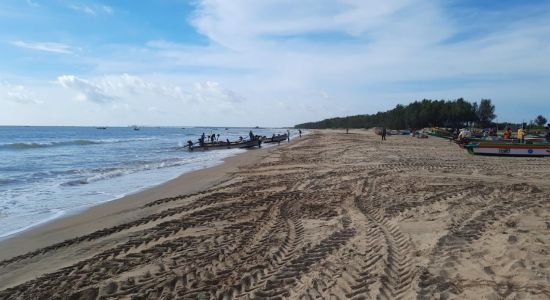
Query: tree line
x=419, y=114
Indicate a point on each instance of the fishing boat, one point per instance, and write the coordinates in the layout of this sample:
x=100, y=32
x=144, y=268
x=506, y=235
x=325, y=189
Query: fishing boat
x=441, y=132
x=498, y=140
x=508, y=149
x=275, y=139
x=468, y=140
x=224, y=145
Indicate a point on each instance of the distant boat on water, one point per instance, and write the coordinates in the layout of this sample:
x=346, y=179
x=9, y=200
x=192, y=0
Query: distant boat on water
x=101, y=128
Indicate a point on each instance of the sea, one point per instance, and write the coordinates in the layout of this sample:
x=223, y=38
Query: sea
x=50, y=172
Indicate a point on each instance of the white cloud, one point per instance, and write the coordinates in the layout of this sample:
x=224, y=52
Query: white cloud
x=358, y=51
x=105, y=89
x=46, y=46
x=239, y=24
x=32, y=3
x=157, y=110
x=107, y=9
x=135, y=85
x=92, y=9
x=213, y=93
x=18, y=94
x=293, y=61
x=87, y=91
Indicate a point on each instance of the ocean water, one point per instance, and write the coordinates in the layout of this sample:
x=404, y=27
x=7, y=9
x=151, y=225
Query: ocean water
x=48, y=172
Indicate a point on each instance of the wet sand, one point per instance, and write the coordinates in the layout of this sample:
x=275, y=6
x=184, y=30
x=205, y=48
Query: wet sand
x=328, y=216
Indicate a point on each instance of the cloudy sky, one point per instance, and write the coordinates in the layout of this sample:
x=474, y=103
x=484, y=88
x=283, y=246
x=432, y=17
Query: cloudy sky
x=267, y=63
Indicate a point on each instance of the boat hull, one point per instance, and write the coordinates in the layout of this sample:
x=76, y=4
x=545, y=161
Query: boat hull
x=222, y=146
x=276, y=139
x=536, y=150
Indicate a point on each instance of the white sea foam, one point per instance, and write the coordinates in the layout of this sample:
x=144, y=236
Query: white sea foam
x=64, y=170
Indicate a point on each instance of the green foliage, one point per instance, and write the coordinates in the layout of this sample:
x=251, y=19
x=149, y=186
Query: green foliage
x=540, y=120
x=415, y=115
x=485, y=112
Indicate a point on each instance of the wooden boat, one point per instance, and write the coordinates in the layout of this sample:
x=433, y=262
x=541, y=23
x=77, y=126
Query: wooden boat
x=441, y=132
x=224, y=145
x=508, y=149
x=492, y=140
x=275, y=139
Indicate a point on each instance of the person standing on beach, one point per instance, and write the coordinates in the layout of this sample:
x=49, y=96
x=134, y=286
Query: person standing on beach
x=521, y=135
x=384, y=133
x=300, y=132
x=288, y=135
x=251, y=135
x=507, y=133
x=201, y=140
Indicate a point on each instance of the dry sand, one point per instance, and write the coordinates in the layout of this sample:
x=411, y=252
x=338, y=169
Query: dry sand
x=330, y=216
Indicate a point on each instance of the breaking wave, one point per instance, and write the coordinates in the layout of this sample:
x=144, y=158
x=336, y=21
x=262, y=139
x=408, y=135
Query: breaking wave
x=33, y=145
x=107, y=173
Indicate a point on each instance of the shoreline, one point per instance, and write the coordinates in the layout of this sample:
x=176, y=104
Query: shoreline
x=60, y=214
x=331, y=215
x=113, y=212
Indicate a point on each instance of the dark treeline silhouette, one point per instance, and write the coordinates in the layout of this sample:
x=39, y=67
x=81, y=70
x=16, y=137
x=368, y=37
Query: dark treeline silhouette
x=419, y=114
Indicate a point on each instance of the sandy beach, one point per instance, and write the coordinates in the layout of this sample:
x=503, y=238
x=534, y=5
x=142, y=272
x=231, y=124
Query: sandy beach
x=328, y=216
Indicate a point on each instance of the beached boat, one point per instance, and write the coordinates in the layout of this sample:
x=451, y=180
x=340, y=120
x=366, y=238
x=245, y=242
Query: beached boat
x=441, y=132
x=498, y=140
x=468, y=140
x=508, y=149
x=224, y=145
x=275, y=139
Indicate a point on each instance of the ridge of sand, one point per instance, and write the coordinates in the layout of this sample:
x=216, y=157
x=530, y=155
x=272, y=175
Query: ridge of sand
x=329, y=216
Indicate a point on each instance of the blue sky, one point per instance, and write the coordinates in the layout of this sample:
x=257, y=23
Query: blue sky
x=269, y=63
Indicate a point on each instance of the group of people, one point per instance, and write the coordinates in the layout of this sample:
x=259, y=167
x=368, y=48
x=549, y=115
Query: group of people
x=507, y=134
x=520, y=134
x=212, y=138
x=490, y=132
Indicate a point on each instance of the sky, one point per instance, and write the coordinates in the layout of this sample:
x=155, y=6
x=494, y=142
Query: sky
x=263, y=62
